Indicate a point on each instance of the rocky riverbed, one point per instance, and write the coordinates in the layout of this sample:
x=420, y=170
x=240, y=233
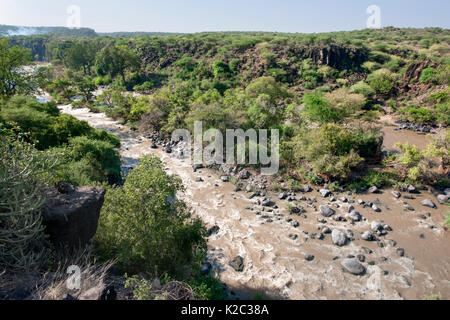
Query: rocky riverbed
x=315, y=244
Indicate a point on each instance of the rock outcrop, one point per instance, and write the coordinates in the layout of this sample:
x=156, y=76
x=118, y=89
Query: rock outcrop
x=71, y=215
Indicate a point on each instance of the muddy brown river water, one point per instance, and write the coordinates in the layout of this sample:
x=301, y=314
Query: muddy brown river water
x=275, y=264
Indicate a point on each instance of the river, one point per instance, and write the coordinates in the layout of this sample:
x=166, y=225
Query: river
x=275, y=264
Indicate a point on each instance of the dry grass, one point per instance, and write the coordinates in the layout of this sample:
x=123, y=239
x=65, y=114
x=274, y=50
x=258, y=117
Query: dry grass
x=55, y=284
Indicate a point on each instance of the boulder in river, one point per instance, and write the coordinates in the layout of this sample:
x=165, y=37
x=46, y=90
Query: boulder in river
x=442, y=198
x=339, y=238
x=326, y=230
x=282, y=196
x=428, y=203
x=325, y=193
x=368, y=236
x=326, y=211
x=353, y=266
x=376, y=226
x=237, y=264
x=309, y=257
x=244, y=174
x=373, y=189
x=355, y=216
x=396, y=194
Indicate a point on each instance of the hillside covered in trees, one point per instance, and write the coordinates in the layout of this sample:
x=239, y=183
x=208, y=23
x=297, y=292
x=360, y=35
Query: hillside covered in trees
x=334, y=98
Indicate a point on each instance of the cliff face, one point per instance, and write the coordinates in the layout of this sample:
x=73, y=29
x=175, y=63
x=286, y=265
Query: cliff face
x=338, y=57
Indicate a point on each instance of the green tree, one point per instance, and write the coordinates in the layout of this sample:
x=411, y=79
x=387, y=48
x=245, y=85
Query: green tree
x=12, y=79
x=145, y=228
x=116, y=61
x=317, y=108
x=81, y=56
x=86, y=86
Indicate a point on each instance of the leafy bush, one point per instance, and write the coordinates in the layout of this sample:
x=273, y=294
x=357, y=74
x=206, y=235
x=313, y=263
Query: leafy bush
x=374, y=178
x=100, y=155
x=267, y=86
x=347, y=102
x=411, y=164
x=371, y=66
x=363, y=88
x=102, y=81
x=418, y=115
x=44, y=126
x=145, y=87
x=442, y=114
x=317, y=108
x=145, y=228
x=139, y=108
x=382, y=81
x=331, y=151
x=221, y=70
x=428, y=75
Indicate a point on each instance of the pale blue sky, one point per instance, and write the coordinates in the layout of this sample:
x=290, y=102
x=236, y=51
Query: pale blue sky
x=226, y=15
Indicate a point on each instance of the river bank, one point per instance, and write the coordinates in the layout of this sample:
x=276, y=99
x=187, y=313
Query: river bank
x=292, y=256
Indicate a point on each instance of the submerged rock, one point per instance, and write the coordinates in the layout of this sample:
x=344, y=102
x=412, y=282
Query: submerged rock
x=309, y=257
x=237, y=264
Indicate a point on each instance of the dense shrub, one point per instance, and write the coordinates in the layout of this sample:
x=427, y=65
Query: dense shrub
x=317, y=108
x=331, y=151
x=363, y=88
x=348, y=103
x=428, y=75
x=145, y=228
x=382, y=81
x=101, y=156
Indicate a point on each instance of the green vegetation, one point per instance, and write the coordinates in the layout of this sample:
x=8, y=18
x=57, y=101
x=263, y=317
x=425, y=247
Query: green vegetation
x=447, y=220
x=326, y=93
x=145, y=227
x=282, y=83
x=22, y=169
x=11, y=80
x=331, y=151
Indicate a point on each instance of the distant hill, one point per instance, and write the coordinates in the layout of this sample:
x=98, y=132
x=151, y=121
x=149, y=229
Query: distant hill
x=7, y=31
x=137, y=34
